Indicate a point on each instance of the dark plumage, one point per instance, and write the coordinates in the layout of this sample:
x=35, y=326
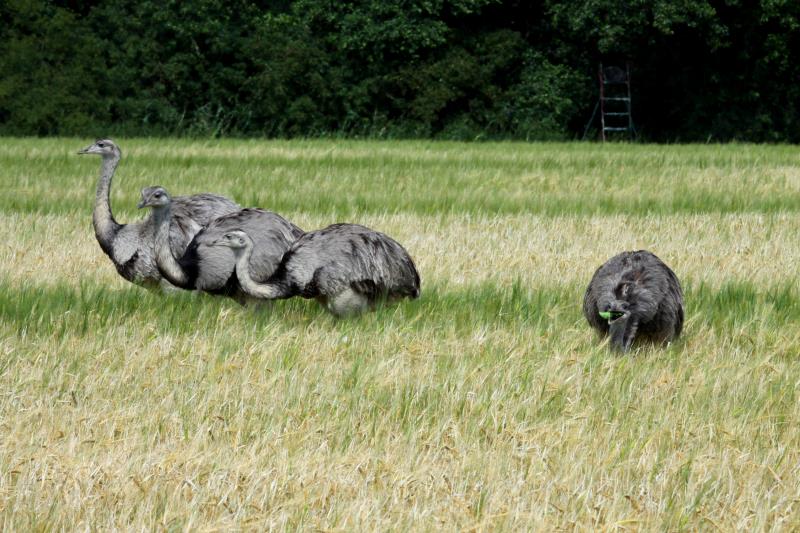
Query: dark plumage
x=211, y=268
x=131, y=246
x=641, y=296
x=347, y=267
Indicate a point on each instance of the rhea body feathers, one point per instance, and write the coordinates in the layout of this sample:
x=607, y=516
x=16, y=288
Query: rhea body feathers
x=212, y=268
x=131, y=247
x=634, y=295
x=347, y=267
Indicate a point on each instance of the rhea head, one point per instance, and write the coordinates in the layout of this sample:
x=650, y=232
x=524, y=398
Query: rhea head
x=237, y=240
x=621, y=313
x=155, y=196
x=103, y=147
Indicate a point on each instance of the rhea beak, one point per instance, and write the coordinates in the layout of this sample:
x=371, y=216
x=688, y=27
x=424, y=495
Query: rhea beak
x=142, y=203
x=91, y=149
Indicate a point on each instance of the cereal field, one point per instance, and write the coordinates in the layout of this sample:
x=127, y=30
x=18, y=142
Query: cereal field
x=486, y=404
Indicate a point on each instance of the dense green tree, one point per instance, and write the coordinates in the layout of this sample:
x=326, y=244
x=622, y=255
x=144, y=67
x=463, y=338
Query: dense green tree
x=465, y=69
x=703, y=69
x=50, y=71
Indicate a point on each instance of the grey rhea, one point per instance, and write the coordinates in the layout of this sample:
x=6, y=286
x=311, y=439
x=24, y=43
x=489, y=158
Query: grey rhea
x=639, y=296
x=212, y=268
x=131, y=246
x=348, y=268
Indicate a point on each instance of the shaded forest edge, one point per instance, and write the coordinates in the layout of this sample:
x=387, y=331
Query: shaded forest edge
x=461, y=69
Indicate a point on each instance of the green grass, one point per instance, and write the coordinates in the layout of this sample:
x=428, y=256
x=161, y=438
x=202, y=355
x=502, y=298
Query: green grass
x=486, y=404
x=345, y=178
x=63, y=309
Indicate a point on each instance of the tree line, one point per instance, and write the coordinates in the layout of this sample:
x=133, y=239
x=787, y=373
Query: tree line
x=457, y=69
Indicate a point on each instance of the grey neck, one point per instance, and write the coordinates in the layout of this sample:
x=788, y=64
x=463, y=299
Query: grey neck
x=105, y=227
x=265, y=291
x=167, y=264
x=622, y=332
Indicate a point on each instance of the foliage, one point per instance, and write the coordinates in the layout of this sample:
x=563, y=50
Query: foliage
x=462, y=69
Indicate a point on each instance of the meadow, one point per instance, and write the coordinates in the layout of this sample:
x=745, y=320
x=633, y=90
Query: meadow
x=486, y=404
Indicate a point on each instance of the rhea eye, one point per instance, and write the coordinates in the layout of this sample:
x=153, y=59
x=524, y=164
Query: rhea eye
x=157, y=195
x=101, y=145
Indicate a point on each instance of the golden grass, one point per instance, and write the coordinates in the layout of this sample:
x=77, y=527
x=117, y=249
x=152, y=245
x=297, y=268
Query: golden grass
x=394, y=429
x=466, y=249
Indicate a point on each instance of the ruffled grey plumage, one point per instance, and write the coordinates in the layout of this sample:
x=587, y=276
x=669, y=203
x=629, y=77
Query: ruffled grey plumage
x=131, y=246
x=272, y=236
x=642, y=295
x=211, y=268
x=347, y=267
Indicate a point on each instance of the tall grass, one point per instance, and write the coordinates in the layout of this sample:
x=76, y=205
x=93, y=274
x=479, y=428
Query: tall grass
x=345, y=178
x=487, y=404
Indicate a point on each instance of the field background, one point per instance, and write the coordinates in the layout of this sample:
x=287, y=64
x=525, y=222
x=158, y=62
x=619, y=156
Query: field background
x=487, y=404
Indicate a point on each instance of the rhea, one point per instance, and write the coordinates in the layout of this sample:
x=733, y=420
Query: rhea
x=634, y=295
x=348, y=268
x=131, y=246
x=212, y=268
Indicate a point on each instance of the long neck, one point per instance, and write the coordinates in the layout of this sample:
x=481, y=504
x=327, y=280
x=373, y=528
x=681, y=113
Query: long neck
x=622, y=332
x=267, y=291
x=105, y=227
x=166, y=262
